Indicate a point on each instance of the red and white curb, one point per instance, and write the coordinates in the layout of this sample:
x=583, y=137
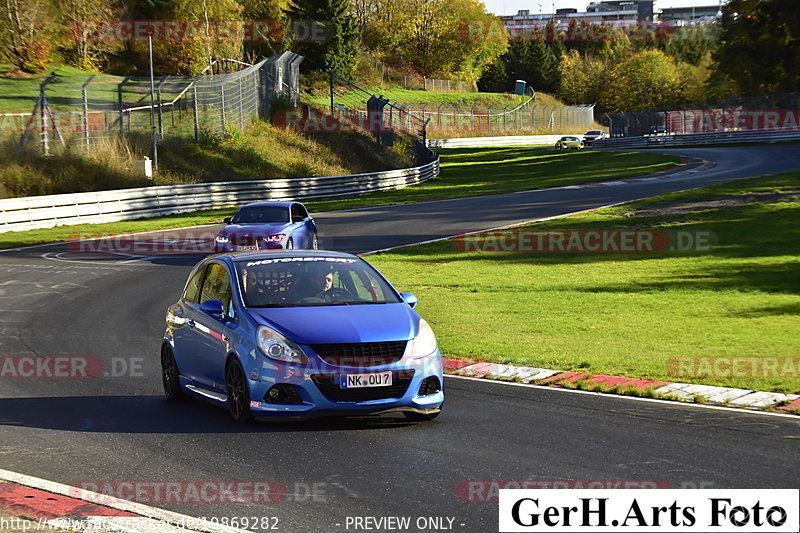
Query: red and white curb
x=723, y=396
x=48, y=505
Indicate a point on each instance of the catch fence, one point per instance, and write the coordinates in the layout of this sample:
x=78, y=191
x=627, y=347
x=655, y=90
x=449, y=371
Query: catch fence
x=778, y=112
x=83, y=110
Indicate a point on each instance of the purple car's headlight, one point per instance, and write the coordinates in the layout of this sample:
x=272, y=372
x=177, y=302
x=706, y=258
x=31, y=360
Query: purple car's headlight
x=276, y=346
x=274, y=238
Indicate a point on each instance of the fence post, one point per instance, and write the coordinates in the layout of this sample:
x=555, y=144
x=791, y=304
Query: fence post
x=160, y=110
x=505, y=110
x=196, y=113
x=241, y=105
x=43, y=116
x=121, y=107
x=86, y=113
x=222, y=109
x=439, y=115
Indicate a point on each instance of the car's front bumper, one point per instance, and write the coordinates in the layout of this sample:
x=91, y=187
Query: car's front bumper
x=228, y=247
x=324, y=400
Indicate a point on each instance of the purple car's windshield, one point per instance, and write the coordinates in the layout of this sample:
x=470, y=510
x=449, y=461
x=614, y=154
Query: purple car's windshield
x=261, y=215
x=312, y=281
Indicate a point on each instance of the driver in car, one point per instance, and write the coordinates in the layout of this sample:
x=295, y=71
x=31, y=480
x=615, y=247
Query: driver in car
x=318, y=282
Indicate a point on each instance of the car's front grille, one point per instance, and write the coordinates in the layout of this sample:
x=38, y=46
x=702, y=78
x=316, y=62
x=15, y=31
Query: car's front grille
x=328, y=384
x=243, y=240
x=361, y=354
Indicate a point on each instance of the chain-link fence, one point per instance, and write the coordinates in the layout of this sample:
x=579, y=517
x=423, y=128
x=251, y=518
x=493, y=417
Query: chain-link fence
x=449, y=119
x=449, y=86
x=82, y=110
x=778, y=112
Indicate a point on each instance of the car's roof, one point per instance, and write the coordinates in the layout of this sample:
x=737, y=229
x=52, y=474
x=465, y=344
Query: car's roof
x=277, y=203
x=278, y=254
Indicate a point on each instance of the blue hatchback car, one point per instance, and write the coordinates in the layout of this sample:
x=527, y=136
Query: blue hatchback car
x=269, y=225
x=296, y=334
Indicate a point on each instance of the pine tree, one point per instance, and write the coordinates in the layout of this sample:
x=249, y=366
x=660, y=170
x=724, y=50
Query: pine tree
x=337, y=51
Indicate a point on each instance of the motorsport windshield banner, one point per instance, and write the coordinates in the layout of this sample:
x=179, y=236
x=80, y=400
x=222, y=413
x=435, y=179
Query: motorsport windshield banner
x=658, y=510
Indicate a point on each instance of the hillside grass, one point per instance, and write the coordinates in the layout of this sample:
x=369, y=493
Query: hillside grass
x=464, y=172
x=353, y=99
x=627, y=313
x=260, y=152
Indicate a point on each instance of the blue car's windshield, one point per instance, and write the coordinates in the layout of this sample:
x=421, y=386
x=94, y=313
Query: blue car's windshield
x=312, y=281
x=261, y=215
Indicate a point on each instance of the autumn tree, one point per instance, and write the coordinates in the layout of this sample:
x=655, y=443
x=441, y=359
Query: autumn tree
x=22, y=33
x=645, y=80
x=78, y=43
x=759, y=48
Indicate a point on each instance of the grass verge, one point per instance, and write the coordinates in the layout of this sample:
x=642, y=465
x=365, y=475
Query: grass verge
x=262, y=151
x=353, y=99
x=465, y=172
x=628, y=314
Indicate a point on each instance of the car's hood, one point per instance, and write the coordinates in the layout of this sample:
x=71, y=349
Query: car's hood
x=341, y=323
x=247, y=230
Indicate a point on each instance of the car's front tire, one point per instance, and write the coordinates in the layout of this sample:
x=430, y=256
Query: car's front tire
x=314, y=241
x=238, y=393
x=289, y=244
x=170, y=379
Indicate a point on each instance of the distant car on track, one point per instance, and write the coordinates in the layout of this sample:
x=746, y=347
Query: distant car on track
x=268, y=226
x=295, y=334
x=592, y=136
x=569, y=142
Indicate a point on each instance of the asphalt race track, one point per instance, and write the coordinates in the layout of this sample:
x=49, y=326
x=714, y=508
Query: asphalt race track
x=57, y=302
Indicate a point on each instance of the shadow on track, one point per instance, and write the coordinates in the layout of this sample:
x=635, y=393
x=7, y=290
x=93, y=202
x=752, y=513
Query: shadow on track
x=153, y=414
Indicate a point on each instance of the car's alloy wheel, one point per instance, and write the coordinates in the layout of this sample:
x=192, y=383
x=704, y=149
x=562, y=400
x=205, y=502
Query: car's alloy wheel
x=238, y=395
x=314, y=242
x=169, y=375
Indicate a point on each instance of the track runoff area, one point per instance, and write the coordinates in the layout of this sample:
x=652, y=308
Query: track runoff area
x=521, y=437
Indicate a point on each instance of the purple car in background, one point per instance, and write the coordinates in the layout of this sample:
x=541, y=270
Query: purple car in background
x=268, y=226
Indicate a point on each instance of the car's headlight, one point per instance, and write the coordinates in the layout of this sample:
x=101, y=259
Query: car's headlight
x=221, y=238
x=276, y=346
x=274, y=238
x=424, y=343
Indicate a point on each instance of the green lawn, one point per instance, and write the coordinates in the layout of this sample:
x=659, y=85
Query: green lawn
x=353, y=99
x=464, y=172
x=625, y=314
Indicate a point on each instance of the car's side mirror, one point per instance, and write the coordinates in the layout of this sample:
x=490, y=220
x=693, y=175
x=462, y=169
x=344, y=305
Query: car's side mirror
x=409, y=298
x=213, y=308
x=226, y=220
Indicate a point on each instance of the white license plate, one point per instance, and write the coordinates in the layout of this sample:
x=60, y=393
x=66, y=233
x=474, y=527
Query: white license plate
x=246, y=248
x=357, y=381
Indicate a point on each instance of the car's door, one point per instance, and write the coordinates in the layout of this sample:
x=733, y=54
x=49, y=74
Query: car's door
x=182, y=318
x=214, y=332
x=305, y=224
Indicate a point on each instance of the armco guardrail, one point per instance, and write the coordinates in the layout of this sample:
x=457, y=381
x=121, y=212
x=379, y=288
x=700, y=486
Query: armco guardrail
x=36, y=212
x=509, y=140
x=659, y=141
